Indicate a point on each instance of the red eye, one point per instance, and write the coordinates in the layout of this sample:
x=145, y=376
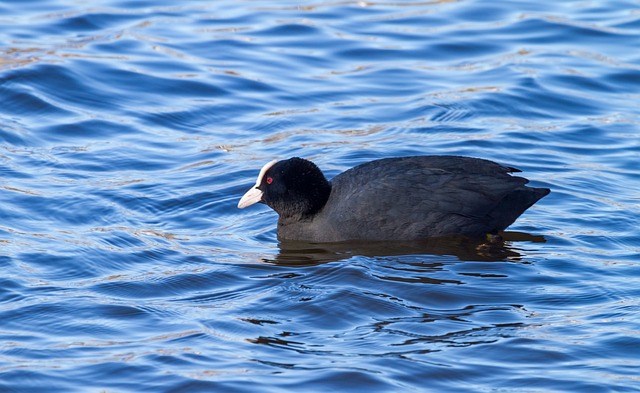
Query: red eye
x=269, y=180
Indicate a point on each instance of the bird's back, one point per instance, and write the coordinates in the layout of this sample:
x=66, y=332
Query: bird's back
x=420, y=197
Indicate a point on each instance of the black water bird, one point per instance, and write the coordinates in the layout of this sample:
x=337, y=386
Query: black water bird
x=393, y=199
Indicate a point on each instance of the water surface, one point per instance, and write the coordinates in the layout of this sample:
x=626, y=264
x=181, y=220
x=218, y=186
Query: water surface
x=129, y=131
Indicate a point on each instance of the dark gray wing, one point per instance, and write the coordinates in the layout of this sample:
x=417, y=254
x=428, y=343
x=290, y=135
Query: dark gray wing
x=419, y=197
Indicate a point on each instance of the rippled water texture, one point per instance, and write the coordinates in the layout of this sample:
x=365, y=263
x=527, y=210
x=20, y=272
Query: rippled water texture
x=130, y=130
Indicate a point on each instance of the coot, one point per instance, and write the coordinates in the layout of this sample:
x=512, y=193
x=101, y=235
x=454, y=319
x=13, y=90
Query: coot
x=403, y=198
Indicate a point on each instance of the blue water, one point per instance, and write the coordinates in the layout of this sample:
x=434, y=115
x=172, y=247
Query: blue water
x=129, y=130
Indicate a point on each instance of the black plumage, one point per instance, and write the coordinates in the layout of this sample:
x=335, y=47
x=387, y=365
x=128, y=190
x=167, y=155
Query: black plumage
x=405, y=198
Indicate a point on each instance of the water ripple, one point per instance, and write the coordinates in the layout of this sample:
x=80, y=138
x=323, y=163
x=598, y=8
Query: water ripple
x=129, y=131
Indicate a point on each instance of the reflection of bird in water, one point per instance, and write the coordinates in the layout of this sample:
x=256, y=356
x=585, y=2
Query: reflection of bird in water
x=299, y=253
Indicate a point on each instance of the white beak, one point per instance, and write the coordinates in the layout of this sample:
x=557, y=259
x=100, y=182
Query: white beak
x=252, y=196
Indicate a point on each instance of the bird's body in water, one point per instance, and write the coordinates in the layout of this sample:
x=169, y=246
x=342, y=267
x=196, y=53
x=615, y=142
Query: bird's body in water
x=393, y=199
